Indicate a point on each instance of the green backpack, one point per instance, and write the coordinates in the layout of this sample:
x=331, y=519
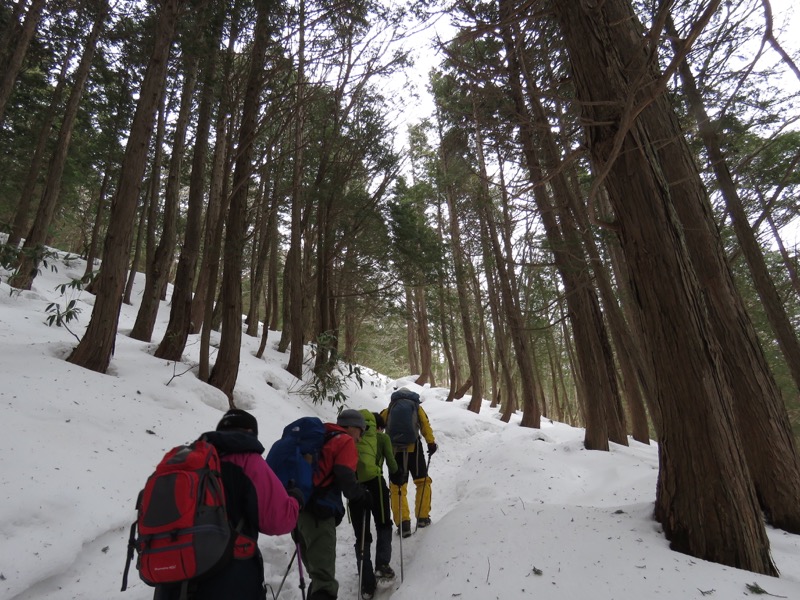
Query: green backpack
x=368, y=467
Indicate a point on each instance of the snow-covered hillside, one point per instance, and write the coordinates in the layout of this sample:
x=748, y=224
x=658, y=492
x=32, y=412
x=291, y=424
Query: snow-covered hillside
x=517, y=513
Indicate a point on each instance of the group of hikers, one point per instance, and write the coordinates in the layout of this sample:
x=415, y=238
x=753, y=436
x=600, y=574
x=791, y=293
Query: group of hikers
x=350, y=464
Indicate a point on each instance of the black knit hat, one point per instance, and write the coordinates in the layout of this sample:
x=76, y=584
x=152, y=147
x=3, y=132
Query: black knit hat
x=379, y=422
x=237, y=418
x=351, y=418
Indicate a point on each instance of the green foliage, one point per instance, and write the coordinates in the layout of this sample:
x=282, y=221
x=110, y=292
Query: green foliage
x=330, y=384
x=417, y=248
x=41, y=256
x=61, y=317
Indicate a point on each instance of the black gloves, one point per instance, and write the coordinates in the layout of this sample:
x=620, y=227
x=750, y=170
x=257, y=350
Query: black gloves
x=366, y=500
x=399, y=477
x=432, y=447
x=297, y=495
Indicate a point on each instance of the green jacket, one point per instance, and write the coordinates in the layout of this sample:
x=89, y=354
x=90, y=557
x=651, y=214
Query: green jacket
x=373, y=448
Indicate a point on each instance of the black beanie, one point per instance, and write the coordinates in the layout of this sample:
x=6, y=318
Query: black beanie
x=237, y=418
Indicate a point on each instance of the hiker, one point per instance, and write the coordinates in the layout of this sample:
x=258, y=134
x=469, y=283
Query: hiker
x=316, y=525
x=255, y=498
x=405, y=420
x=373, y=448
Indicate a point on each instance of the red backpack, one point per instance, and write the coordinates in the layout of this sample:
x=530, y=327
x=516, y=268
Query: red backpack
x=183, y=529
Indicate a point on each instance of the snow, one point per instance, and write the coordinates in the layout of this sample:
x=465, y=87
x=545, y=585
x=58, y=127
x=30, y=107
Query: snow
x=517, y=512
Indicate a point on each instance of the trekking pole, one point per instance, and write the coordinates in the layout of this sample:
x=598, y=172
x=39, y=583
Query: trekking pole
x=400, y=509
x=361, y=560
x=300, y=567
x=285, y=575
x=424, y=481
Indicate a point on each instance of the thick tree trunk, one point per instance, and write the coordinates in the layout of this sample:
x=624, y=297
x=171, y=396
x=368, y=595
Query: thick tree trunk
x=706, y=500
x=95, y=349
x=763, y=421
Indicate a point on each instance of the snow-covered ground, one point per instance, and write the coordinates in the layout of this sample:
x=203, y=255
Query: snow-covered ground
x=517, y=513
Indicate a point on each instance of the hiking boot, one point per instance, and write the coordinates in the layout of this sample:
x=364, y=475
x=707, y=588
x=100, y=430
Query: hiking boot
x=405, y=529
x=365, y=595
x=423, y=522
x=384, y=572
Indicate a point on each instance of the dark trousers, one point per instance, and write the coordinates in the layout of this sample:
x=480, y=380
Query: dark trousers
x=383, y=529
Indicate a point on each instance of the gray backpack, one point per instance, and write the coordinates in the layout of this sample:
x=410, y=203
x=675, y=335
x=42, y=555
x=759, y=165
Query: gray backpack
x=402, y=423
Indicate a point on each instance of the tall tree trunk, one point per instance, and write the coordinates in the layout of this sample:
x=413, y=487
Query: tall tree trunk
x=159, y=267
x=214, y=224
x=411, y=332
x=174, y=341
x=706, y=500
x=21, y=43
x=27, y=267
x=95, y=349
x=475, y=379
x=12, y=25
x=595, y=363
x=531, y=400
x=273, y=289
x=226, y=368
x=259, y=248
x=21, y=226
x=91, y=254
x=502, y=378
x=424, y=339
x=293, y=272
x=764, y=424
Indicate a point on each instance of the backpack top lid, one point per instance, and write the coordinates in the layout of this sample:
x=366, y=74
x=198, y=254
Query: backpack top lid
x=402, y=422
x=406, y=393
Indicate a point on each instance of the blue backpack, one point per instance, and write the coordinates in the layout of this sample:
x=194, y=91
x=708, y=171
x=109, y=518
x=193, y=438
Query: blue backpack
x=294, y=457
x=402, y=422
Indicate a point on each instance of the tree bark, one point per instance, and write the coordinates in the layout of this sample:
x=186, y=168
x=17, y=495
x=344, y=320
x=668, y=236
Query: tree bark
x=21, y=226
x=424, y=339
x=764, y=424
x=474, y=380
x=159, y=267
x=293, y=272
x=706, y=500
x=95, y=348
x=27, y=267
x=21, y=43
x=226, y=368
x=174, y=341
x=91, y=254
x=596, y=368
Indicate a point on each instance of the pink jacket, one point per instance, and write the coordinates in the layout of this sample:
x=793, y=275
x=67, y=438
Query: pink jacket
x=277, y=511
